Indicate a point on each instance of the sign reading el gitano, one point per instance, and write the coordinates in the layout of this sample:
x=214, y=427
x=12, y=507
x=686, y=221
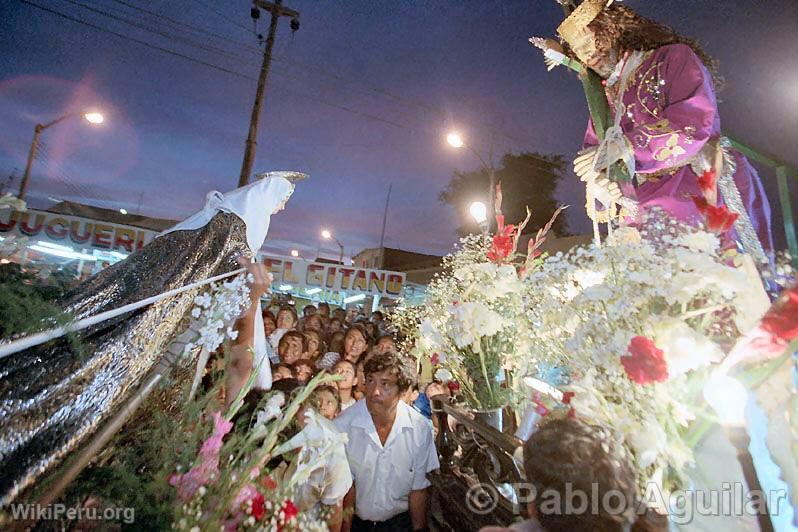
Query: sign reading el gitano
x=306, y=274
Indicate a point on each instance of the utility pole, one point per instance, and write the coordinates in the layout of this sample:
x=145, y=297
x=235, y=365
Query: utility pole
x=382, y=234
x=277, y=10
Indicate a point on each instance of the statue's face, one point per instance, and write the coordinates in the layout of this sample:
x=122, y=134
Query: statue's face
x=585, y=46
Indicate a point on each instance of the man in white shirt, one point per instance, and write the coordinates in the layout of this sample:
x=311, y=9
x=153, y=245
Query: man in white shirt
x=390, y=451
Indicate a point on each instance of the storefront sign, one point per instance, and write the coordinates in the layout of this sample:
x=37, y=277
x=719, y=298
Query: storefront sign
x=349, y=279
x=74, y=230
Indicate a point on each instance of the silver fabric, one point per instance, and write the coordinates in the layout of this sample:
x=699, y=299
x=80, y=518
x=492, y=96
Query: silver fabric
x=731, y=197
x=53, y=396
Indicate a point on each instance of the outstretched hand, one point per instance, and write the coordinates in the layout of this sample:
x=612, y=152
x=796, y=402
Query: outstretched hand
x=261, y=278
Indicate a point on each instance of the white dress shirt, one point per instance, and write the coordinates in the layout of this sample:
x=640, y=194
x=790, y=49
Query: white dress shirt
x=385, y=475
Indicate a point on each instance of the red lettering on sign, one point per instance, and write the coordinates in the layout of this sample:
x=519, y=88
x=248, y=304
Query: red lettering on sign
x=394, y=284
x=360, y=282
x=54, y=232
x=10, y=224
x=26, y=229
x=124, y=239
x=346, y=274
x=331, y=272
x=102, y=236
x=77, y=238
x=314, y=275
x=377, y=280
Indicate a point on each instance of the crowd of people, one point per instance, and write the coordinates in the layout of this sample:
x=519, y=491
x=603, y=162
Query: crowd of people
x=377, y=476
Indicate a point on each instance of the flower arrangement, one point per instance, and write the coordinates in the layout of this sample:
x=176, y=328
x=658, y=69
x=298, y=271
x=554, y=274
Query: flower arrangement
x=471, y=326
x=240, y=492
x=637, y=325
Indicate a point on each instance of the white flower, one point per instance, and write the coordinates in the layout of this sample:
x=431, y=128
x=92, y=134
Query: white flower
x=430, y=338
x=648, y=441
x=600, y=292
x=700, y=241
x=685, y=349
x=589, y=278
x=196, y=311
x=271, y=410
x=625, y=236
x=444, y=375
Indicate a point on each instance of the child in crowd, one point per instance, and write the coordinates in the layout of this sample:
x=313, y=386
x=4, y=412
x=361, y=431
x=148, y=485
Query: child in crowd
x=384, y=344
x=315, y=346
x=346, y=385
x=269, y=323
x=282, y=371
x=326, y=401
x=287, y=318
x=291, y=347
x=334, y=326
x=312, y=323
x=304, y=370
x=336, y=342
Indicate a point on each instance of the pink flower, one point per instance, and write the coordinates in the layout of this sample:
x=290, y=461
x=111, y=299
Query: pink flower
x=435, y=359
x=454, y=386
x=200, y=475
x=645, y=363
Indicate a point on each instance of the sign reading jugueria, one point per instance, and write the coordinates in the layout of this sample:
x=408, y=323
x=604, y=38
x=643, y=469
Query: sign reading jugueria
x=307, y=274
x=75, y=230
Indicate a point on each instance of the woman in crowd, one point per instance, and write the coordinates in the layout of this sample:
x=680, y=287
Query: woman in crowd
x=291, y=347
x=384, y=344
x=315, y=345
x=346, y=385
x=334, y=326
x=356, y=342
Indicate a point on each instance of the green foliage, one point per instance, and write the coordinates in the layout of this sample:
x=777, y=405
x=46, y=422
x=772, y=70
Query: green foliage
x=527, y=180
x=27, y=300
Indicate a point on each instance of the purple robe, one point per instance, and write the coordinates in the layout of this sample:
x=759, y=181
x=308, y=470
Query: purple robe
x=671, y=114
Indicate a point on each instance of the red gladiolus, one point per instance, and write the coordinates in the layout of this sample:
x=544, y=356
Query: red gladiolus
x=257, y=506
x=567, y=396
x=435, y=358
x=290, y=510
x=454, y=386
x=645, y=363
x=572, y=413
x=708, y=182
x=503, y=243
x=719, y=219
x=781, y=320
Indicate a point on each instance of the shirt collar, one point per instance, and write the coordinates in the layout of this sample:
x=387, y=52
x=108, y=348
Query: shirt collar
x=364, y=421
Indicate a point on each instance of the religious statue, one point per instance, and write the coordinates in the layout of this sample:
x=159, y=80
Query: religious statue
x=664, y=127
x=53, y=396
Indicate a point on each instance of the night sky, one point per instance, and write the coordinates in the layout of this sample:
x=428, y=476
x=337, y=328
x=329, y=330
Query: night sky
x=360, y=97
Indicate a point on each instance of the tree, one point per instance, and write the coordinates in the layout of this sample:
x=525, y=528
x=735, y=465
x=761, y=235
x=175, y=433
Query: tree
x=527, y=180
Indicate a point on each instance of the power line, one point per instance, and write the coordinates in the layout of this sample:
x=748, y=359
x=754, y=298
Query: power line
x=138, y=41
x=222, y=15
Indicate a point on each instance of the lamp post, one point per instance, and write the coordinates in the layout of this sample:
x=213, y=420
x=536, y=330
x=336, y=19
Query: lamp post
x=728, y=397
x=92, y=118
x=327, y=235
x=295, y=253
x=456, y=141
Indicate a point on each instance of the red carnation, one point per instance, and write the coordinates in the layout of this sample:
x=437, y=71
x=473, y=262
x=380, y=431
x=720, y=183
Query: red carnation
x=645, y=363
x=290, y=510
x=435, y=358
x=781, y=320
x=567, y=396
x=454, y=386
x=707, y=183
x=257, y=506
x=719, y=219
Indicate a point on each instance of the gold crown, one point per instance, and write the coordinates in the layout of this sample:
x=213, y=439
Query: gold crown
x=579, y=18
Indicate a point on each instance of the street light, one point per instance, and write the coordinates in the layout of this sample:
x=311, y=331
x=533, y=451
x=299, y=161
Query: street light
x=480, y=215
x=294, y=253
x=455, y=140
x=91, y=117
x=326, y=234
